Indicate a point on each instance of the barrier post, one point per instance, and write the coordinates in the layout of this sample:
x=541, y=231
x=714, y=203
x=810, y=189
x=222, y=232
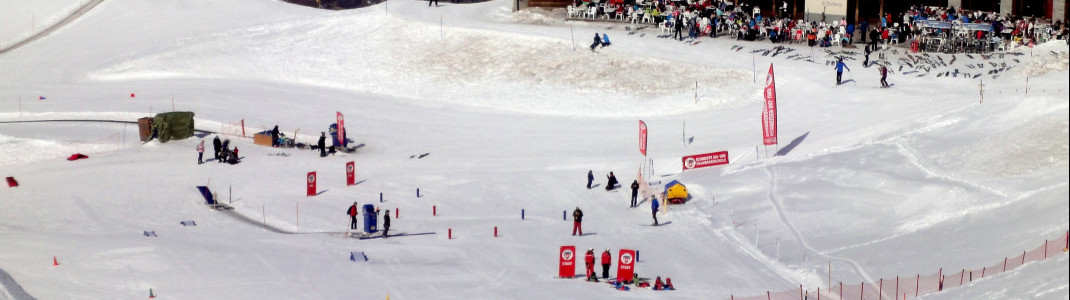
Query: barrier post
x=434, y=210
x=862, y=291
x=397, y=212
x=1045, y=249
x=917, y=284
x=449, y=234
x=495, y=231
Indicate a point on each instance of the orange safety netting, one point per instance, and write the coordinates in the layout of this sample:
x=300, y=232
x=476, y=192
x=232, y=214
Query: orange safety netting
x=918, y=285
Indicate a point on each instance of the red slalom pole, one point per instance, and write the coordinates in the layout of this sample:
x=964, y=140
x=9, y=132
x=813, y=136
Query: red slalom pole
x=397, y=213
x=434, y=210
x=495, y=231
x=449, y=234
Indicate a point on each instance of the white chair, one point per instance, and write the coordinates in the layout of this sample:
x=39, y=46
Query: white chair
x=572, y=11
x=648, y=19
x=633, y=17
x=591, y=13
x=665, y=27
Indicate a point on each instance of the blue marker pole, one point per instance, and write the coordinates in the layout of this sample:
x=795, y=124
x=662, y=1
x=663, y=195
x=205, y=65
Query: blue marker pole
x=563, y=216
x=380, y=197
x=417, y=192
x=521, y=214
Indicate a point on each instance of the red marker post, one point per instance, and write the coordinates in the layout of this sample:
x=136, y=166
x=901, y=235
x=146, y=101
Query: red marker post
x=310, y=184
x=351, y=176
x=567, y=262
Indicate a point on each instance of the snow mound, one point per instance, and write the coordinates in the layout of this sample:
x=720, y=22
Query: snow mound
x=452, y=65
x=1049, y=57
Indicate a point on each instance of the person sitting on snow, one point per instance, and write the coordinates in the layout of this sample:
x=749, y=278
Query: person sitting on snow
x=605, y=40
x=658, y=285
x=668, y=284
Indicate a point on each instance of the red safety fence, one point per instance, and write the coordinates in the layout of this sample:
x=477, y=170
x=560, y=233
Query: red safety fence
x=918, y=285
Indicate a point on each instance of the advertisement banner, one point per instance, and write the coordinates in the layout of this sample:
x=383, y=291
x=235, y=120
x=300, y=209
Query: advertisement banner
x=705, y=160
x=831, y=10
x=351, y=176
x=769, y=113
x=625, y=265
x=567, y=262
x=310, y=189
x=642, y=137
x=341, y=128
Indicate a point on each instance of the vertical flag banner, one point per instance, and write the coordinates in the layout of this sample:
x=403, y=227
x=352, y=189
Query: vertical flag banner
x=769, y=134
x=567, y=262
x=625, y=265
x=642, y=137
x=351, y=176
x=310, y=189
x=341, y=128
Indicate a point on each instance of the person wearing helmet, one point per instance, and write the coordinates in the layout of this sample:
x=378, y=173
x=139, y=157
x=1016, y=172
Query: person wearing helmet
x=606, y=260
x=589, y=261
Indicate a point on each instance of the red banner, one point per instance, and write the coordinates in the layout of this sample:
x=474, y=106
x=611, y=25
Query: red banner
x=705, y=160
x=341, y=129
x=642, y=137
x=567, y=262
x=625, y=265
x=351, y=176
x=310, y=181
x=769, y=113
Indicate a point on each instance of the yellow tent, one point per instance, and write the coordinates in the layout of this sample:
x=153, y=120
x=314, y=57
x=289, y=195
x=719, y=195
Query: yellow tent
x=675, y=192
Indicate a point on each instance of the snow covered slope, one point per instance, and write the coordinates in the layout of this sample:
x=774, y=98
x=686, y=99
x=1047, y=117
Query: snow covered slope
x=874, y=183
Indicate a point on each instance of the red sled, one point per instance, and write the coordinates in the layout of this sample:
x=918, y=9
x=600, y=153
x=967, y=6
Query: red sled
x=11, y=182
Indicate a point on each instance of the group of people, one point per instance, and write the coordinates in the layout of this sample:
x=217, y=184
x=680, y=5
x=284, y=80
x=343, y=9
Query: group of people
x=222, y=152
x=600, y=41
x=354, y=210
x=607, y=260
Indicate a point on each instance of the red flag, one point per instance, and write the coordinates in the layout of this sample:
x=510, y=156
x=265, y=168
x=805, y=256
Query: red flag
x=341, y=129
x=642, y=137
x=769, y=113
x=351, y=176
x=310, y=186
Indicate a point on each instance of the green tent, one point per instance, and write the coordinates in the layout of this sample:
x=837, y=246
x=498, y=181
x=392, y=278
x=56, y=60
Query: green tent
x=173, y=125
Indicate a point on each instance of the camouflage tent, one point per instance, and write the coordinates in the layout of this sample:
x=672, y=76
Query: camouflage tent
x=173, y=125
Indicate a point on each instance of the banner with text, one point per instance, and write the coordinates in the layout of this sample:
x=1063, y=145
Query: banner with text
x=341, y=128
x=567, y=262
x=642, y=137
x=705, y=160
x=769, y=113
x=625, y=265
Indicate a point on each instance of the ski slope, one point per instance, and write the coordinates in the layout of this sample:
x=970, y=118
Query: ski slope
x=513, y=111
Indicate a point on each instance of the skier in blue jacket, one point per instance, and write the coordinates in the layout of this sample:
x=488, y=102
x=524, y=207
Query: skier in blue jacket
x=654, y=210
x=839, y=70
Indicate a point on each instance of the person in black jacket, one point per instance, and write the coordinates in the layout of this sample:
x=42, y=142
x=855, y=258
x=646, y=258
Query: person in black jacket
x=217, y=145
x=275, y=136
x=577, y=219
x=322, y=144
x=597, y=41
x=612, y=181
x=386, y=223
x=635, y=191
x=590, y=178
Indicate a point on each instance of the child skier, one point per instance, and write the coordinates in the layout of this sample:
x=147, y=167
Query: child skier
x=839, y=70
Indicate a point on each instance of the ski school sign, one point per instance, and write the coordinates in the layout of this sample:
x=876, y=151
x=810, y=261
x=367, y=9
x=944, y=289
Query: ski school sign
x=705, y=160
x=567, y=262
x=625, y=264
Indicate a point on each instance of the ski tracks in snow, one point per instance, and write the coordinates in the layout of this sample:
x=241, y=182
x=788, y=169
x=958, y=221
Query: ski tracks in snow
x=783, y=216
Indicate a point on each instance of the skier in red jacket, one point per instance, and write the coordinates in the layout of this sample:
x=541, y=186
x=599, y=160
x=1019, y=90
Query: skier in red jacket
x=589, y=261
x=353, y=216
x=606, y=260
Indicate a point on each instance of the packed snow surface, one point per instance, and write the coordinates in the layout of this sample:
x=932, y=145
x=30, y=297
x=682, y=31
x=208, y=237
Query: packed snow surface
x=961, y=163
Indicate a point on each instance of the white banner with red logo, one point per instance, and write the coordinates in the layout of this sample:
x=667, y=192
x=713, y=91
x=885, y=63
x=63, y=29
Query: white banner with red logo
x=341, y=128
x=769, y=134
x=625, y=265
x=351, y=173
x=705, y=160
x=567, y=262
x=310, y=180
x=642, y=137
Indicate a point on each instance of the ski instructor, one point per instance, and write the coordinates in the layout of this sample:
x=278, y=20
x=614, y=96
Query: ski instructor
x=353, y=216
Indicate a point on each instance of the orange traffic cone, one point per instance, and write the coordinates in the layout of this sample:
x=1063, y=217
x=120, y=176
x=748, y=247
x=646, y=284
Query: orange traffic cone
x=54, y=261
